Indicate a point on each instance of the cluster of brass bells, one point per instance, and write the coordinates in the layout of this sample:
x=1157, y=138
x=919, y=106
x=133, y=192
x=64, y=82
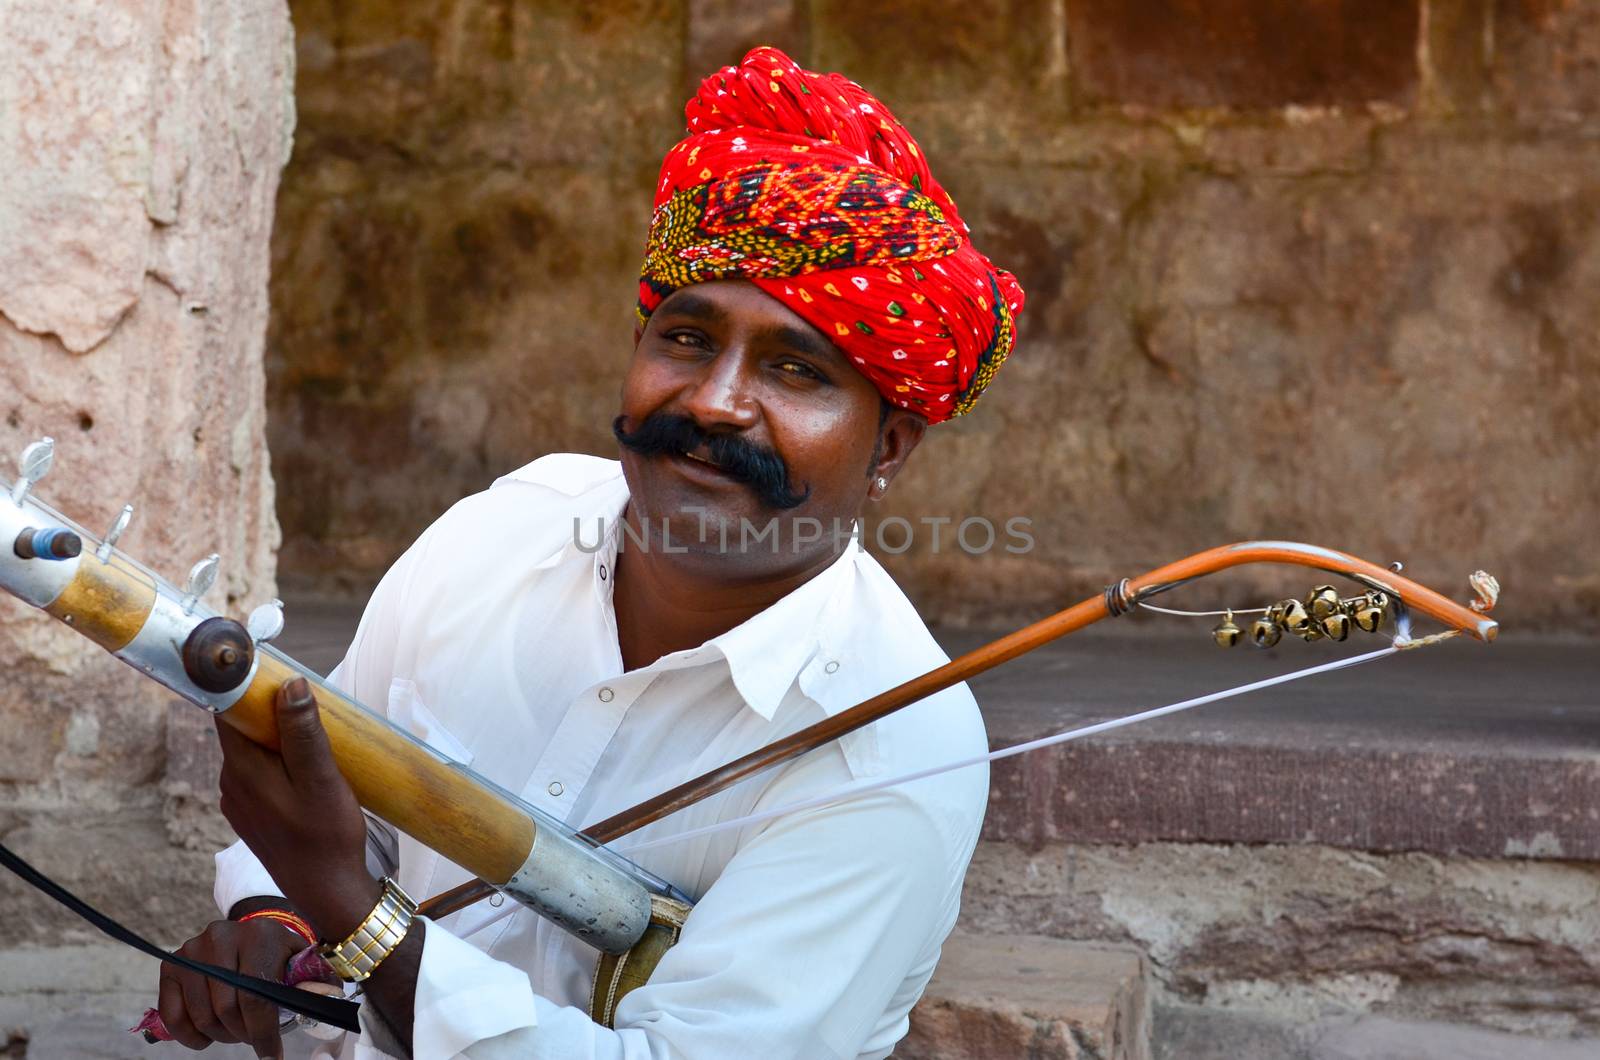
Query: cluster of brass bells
x=1321, y=614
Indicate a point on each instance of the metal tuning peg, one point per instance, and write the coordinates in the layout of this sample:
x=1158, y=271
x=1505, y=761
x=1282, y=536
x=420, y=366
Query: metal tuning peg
x=33, y=465
x=1265, y=631
x=1226, y=633
x=265, y=622
x=1293, y=617
x=202, y=576
x=1323, y=601
x=1368, y=612
x=1336, y=626
x=124, y=517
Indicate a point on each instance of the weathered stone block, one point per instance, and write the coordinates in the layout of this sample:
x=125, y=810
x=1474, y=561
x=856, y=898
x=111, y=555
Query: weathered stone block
x=1547, y=60
x=1031, y=996
x=189, y=787
x=1243, y=53
x=1458, y=56
x=722, y=31
x=133, y=304
x=968, y=80
x=495, y=83
x=1310, y=931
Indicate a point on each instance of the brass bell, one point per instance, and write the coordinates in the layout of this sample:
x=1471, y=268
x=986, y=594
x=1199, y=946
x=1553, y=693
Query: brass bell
x=1336, y=626
x=1294, y=617
x=1226, y=634
x=1368, y=614
x=1323, y=601
x=1312, y=632
x=1265, y=631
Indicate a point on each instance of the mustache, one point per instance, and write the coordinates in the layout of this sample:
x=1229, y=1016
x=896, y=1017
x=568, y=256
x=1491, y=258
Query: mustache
x=669, y=434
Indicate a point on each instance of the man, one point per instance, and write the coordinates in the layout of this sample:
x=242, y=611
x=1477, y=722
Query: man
x=588, y=634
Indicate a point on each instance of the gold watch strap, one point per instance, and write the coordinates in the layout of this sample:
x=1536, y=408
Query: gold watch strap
x=380, y=933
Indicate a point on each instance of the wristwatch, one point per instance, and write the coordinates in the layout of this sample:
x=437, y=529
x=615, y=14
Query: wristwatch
x=380, y=933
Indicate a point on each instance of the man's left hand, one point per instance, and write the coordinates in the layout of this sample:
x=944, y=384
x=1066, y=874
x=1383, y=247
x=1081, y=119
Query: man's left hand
x=298, y=815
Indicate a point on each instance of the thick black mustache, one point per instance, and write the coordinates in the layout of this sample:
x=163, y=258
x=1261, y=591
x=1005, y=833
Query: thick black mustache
x=666, y=433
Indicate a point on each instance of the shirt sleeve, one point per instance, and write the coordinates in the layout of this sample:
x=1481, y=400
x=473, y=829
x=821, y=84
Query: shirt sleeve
x=802, y=948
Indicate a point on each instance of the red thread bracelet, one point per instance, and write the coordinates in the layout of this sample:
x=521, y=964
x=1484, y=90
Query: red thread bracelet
x=289, y=920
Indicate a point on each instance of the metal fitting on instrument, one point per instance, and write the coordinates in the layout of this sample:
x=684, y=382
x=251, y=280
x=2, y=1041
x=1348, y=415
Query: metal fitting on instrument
x=566, y=881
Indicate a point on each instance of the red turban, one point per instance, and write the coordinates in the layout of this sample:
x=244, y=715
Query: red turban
x=806, y=185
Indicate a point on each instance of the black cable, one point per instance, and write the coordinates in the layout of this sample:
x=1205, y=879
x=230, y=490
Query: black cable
x=336, y=1012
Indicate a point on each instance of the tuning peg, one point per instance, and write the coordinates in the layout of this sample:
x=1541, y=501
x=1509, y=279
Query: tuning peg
x=202, y=576
x=265, y=622
x=124, y=517
x=1265, y=631
x=32, y=465
x=1336, y=626
x=1323, y=601
x=1292, y=615
x=1368, y=612
x=1226, y=633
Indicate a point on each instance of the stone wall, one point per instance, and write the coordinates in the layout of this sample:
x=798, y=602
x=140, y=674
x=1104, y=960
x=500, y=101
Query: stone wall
x=1293, y=934
x=140, y=149
x=1317, y=271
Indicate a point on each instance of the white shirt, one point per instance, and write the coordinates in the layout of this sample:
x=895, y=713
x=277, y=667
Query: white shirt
x=493, y=639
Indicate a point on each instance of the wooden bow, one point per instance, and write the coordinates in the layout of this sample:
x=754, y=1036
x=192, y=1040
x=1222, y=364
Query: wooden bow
x=1115, y=600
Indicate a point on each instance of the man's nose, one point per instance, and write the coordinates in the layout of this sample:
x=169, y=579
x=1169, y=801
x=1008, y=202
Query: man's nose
x=722, y=393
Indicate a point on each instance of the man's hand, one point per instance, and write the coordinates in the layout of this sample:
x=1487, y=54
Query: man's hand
x=297, y=814
x=198, y=1011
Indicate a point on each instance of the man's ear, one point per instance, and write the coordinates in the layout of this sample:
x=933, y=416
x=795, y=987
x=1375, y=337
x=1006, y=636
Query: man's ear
x=901, y=432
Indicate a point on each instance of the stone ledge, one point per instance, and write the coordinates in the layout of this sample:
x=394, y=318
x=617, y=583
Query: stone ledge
x=1028, y=995
x=1458, y=750
x=77, y=1003
x=1195, y=1033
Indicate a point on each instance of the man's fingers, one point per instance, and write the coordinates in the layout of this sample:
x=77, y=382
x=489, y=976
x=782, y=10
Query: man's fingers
x=241, y=753
x=301, y=740
x=197, y=1006
x=225, y=1004
x=260, y=1016
x=174, y=1014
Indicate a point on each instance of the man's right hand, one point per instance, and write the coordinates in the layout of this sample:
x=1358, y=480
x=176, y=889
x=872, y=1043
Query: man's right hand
x=198, y=1011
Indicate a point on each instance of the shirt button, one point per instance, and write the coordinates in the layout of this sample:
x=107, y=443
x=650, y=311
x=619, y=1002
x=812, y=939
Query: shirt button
x=606, y=695
x=555, y=788
x=497, y=899
x=832, y=668
x=602, y=572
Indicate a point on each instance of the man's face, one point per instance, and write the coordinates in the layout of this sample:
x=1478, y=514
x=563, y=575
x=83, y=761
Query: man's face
x=749, y=417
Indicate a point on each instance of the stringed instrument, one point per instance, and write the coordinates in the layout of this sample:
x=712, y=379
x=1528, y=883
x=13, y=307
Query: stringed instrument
x=570, y=877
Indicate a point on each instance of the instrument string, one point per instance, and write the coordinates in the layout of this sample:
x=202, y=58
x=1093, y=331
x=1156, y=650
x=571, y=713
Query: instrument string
x=1204, y=614
x=854, y=790
x=1402, y=641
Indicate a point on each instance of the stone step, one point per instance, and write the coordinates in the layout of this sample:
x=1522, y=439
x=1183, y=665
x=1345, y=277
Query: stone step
x=1035, y=997
x=77, y=1003
x=1462, y=749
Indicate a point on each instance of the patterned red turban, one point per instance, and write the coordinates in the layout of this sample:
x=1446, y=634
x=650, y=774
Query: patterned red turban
x=806, y=185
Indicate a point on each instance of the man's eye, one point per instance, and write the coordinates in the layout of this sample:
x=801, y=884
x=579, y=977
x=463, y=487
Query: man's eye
x=686, y=338
x=799, y=368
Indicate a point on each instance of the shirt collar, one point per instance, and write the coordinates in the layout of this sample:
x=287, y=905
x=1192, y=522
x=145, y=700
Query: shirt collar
x=766, y=652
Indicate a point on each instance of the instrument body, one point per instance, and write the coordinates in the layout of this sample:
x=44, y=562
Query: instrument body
x=131, y=612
